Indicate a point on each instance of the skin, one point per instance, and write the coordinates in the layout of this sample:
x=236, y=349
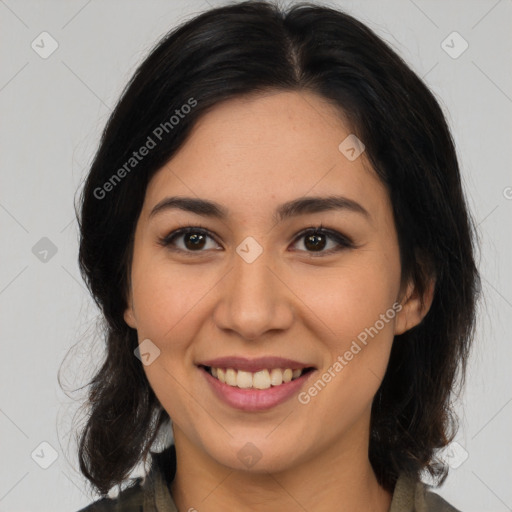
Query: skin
x=251, y=155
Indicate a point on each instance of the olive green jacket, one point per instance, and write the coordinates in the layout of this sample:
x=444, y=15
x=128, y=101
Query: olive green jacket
x=153, y=495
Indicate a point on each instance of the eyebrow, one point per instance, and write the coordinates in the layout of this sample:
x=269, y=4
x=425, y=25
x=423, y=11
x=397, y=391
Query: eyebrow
x=284, y=211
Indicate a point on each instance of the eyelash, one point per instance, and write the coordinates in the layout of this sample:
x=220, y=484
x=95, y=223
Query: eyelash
x=343, y=241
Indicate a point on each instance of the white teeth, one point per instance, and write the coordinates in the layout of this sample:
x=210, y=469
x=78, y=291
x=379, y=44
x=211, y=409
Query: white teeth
x=243, y=379
x=231, y=377
x=262, y=379
x=276, y=377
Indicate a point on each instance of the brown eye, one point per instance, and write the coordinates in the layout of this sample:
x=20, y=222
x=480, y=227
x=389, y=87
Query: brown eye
x=317, y=239
x=188, y=240
x=194, y=241
x=315, y=242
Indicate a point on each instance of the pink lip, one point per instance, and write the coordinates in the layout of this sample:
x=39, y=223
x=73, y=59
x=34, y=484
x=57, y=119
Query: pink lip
x=254, y=399
x=253, y=365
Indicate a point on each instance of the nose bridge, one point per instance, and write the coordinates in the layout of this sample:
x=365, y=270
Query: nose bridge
x=253, y=300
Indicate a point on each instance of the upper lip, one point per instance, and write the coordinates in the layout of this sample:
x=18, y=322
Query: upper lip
x=254, y=365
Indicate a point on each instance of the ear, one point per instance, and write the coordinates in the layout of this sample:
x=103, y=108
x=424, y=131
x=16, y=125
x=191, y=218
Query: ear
x=414, y=306
x=129, y=314
x=129, y=317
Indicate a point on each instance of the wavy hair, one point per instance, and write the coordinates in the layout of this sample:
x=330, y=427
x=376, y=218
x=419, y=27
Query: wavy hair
x=256, y=47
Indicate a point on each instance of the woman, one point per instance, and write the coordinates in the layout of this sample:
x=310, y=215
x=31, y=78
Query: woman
x=275, y=231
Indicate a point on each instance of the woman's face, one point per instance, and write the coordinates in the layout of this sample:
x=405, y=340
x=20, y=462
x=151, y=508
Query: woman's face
x=252, y=289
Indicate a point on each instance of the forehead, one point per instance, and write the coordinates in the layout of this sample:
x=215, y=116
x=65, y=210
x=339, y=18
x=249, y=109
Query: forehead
x=253, y=152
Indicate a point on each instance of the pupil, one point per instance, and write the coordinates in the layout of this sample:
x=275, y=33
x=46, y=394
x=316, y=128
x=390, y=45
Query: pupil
x=312, y=242
x=195, y=240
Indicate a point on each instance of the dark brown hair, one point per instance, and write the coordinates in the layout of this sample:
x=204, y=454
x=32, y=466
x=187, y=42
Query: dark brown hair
x=253, y=47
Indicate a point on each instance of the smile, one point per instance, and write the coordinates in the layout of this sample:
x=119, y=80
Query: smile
x=263, y=379
x=257, y=384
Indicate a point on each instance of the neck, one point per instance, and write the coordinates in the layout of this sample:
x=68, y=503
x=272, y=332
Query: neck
x=340, y=479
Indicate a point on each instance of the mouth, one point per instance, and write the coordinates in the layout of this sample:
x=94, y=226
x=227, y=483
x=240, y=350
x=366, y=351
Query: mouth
x=262, y=379
x=254, y=385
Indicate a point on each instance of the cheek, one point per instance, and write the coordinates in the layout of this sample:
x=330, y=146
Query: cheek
x=351, y=297
x=356, y=306
x=166, y=299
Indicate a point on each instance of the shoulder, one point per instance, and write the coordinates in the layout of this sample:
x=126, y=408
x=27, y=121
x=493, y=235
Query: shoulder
x=411, y=495
x=435, y=503
x=128, y=500
x=142, y=492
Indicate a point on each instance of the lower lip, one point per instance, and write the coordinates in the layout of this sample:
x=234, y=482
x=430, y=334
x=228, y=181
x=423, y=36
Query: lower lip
x=255, y=399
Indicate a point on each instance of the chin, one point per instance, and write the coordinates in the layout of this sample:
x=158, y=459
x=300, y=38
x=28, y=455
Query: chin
x=255, y=454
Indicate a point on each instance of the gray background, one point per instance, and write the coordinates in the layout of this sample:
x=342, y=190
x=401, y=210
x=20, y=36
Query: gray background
x=52, y=112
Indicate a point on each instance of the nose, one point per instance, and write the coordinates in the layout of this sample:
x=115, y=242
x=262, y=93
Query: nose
x=254, y=299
